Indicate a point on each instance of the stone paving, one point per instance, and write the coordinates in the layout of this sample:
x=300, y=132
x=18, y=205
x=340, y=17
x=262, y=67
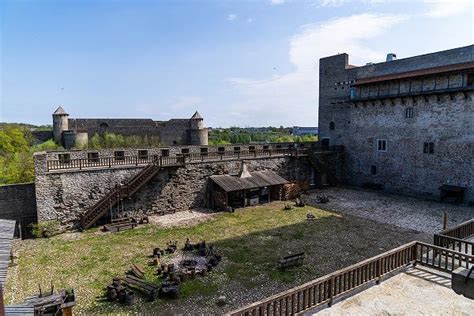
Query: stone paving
x=406, y=212
x=417, y=291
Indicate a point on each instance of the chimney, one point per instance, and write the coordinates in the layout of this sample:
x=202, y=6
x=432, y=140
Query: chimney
x=391, y=57
x=244, y=172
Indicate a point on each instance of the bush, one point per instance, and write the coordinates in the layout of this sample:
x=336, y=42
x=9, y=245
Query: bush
x=46, y=229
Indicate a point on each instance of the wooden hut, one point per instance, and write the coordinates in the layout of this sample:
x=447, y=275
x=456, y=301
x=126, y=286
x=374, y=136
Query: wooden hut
x=248, y=188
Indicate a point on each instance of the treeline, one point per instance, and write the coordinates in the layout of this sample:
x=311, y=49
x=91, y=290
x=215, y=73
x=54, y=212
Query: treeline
x=235, y=135
x=110, y=140
x=16, y=153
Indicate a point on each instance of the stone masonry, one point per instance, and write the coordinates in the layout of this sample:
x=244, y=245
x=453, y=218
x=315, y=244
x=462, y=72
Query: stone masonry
x=407, y=125
x=66, y=194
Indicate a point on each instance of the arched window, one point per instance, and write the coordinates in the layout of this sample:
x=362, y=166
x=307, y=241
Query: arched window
x=332, y=126
x=104, y=125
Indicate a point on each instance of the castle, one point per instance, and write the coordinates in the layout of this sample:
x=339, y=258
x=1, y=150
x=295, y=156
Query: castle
x=407, y=125
x=75, y=132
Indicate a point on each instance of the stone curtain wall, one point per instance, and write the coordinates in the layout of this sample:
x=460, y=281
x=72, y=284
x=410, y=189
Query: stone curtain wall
x=65, y=195
x=18, y=202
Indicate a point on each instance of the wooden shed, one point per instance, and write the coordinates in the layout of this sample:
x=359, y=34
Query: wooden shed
x=248, y=188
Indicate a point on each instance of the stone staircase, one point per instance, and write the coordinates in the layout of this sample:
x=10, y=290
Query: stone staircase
x=321, y=166
x=118, y=193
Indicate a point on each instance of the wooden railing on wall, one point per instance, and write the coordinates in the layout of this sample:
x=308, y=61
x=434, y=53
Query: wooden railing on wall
x=108, y=162
x=325, y=289
x=455, y=238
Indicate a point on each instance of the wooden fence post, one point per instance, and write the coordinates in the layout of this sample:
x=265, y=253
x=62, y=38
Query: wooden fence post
x=445, y=220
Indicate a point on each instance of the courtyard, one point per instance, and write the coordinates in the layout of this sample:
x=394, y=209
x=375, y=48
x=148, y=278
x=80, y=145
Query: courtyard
x=251, y=241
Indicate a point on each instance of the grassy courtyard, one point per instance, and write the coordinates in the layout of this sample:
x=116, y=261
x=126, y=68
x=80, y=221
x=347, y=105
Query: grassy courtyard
x=250, y=240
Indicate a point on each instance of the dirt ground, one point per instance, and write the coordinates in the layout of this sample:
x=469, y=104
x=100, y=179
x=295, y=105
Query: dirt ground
x=405, y=212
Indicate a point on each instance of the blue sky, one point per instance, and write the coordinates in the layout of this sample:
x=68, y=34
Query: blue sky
x=240, y=63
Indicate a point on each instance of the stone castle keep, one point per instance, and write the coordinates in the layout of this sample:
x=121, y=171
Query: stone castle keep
x=407, y=125
x=74, y=133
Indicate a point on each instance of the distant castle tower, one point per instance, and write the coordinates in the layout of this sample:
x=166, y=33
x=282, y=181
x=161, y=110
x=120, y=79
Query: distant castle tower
x=60, y=124
x=197, y=133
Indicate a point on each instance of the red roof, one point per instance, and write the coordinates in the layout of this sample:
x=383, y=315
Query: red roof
x=417, y=73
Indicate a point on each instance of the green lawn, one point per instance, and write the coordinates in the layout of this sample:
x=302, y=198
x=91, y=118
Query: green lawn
x=251, y=241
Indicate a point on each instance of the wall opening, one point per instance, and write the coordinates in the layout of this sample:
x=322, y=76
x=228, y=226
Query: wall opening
x=119, y=155
x=409, y=112
x=381, y=144
x=93, y=157
x=64, y=158
x=373, y=170
x=165, y=153
x=428, y=148
x=332, y=126
x=143, y=154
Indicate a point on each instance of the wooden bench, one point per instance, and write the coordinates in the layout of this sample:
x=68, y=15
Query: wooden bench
x=118, y=227
x=291, y=261
x=151, y=290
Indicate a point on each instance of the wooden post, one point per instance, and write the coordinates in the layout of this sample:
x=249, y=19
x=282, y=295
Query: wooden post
x=2, y=307
x=445, y=220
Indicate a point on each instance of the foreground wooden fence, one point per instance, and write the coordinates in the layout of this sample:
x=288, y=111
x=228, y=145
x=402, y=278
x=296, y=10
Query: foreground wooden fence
x=455, y=238
x=325, y=289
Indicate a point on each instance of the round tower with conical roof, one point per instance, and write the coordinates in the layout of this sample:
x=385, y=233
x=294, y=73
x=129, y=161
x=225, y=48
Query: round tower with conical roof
x=60, y=124
x=197, y=133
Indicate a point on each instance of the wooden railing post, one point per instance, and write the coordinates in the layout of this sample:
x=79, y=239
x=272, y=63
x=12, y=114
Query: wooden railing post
x=331, y=290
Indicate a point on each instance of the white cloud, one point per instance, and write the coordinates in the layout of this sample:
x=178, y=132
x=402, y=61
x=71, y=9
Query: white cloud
x=249, y=20
x=231, y=17
x=293, y=97
x=331, y=3
x=444, y=8
x=277, y=2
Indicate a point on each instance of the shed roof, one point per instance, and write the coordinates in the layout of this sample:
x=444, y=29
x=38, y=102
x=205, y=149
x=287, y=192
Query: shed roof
x=7, y=229
x=257, y=179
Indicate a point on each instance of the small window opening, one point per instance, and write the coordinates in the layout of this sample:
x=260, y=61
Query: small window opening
x=175, y=142
x=119, y=155
x=381, y=144
x=252, y=149
x=373, y=170
x=409, y=113
x=204, y=151
x=332, y=126
x=428, y=148
x=64, y=158
x=220, y=150
x=165, y=153
x=185, y=151
x=236, y=150
x=266, y=148
x=93, y=157
x=143, y=154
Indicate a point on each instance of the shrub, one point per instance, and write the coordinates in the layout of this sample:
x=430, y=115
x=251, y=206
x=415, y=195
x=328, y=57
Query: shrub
x=46, y=229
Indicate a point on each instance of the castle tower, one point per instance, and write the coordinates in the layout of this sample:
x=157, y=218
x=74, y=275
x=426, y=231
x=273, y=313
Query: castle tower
x=60, y=124
x=197, y=134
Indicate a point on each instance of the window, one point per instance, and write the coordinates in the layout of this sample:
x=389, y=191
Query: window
x=428, y=148
x=93, y=157
x=175, y=142
x=204, y=151
x=266, y=148
x=64, y=158
x=119, y=155
x=236, y=150
x=409, y=112
x=470, y=80
x=185, y=151
x=325, y=142
x=251, y=149
x=143, y=154
x=220, y=150
x=332, y=126
x=381, y=144
x=165, y=153
x=373, y=170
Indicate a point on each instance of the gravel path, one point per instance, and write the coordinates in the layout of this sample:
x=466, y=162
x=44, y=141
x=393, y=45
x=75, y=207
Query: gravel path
x=401, y=211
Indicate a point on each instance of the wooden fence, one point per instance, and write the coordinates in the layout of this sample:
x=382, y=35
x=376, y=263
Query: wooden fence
x=325, y=289
x=455, y=238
